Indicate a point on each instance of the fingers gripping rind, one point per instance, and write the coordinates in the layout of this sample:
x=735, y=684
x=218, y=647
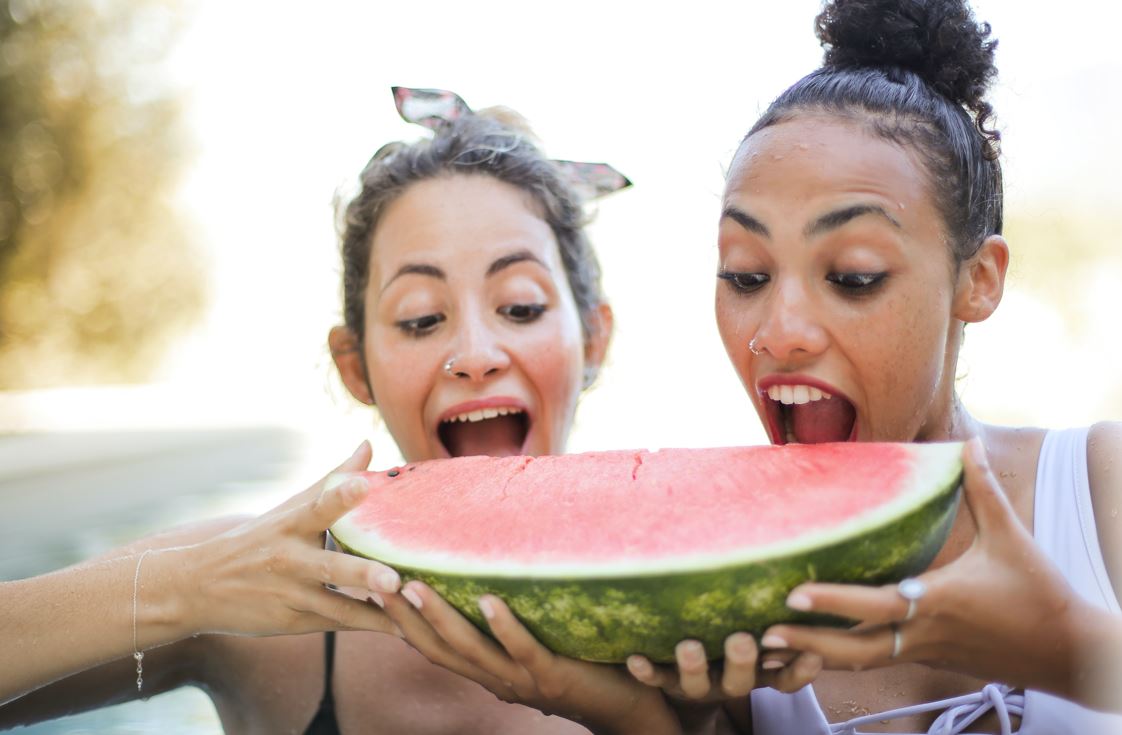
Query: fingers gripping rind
x=693, y=668
x=872, y=605
x=739, y=675
x=523, y=648
x=798, y=673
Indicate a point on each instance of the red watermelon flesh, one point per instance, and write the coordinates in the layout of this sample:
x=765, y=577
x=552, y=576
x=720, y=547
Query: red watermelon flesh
x=611, y=507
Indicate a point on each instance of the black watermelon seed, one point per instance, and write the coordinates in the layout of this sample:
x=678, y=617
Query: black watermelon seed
x=393, y=473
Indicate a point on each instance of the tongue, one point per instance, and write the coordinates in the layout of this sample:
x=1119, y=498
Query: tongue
x=829, y=420
x=497, y=437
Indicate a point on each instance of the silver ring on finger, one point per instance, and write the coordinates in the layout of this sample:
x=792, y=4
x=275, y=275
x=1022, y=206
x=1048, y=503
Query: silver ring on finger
x=912, y=590
x=897, y=641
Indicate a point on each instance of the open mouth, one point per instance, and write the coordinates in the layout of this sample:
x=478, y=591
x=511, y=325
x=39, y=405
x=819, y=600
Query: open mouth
x=494, y=432
x=805, y=414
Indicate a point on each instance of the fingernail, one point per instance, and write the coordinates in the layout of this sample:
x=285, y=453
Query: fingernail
x=691, y=651
x=771, y=640
x=739, y=644
x=388, y=581
x=799, y=601
x=638, y=665
x=358, y=450
x=771, y=664
x=377, y=599
x=486, y=608
x=414, y=599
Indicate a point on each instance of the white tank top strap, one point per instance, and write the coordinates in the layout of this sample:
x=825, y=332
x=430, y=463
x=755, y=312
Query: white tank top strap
x=1064, y=519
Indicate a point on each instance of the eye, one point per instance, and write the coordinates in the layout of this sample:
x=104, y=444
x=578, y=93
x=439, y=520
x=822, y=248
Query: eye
x=856, y=283
x=744, y=282
x=522, y=313
x=420, y=326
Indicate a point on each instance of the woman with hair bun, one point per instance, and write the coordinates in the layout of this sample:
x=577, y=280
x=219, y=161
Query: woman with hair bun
x=861, y=231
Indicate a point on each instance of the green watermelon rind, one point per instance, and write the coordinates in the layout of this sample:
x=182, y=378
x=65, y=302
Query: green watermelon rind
x=607, y=618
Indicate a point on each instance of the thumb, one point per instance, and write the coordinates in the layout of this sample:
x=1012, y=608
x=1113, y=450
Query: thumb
x=988, y=505
x=339, y=491
x=358, y=461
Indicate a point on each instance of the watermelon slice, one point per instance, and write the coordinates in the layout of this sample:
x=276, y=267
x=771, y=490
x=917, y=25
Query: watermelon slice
x=606, y=554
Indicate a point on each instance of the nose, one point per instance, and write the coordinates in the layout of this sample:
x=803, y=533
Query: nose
x=790, y=329
x=478, y=353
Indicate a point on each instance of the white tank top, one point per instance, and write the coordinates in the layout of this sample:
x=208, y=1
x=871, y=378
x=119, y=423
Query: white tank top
x=1064, y=528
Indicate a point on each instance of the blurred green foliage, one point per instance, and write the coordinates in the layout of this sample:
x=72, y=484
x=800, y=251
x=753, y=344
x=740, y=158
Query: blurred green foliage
x=97, y=271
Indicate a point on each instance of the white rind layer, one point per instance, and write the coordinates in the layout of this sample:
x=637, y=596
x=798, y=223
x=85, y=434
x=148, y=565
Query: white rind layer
x=937, y=469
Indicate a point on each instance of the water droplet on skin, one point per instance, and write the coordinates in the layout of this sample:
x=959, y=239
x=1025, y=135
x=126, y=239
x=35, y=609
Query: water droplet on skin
x=804, y=147
x=777, y=156
x=269, y=568
x=1113, y=512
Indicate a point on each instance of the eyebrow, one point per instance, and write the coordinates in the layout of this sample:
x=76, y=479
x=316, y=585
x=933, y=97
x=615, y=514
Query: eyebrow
x=518, y=257
x=419, y=268
x=839, y=217
x=505, y=261
x=746, y=221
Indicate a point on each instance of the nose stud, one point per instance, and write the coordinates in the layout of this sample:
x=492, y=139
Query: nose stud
x=448, y=367
x=753, y=348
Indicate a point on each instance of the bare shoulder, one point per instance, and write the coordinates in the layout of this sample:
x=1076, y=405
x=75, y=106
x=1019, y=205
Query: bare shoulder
x=1013, y=454
x=1104, y=473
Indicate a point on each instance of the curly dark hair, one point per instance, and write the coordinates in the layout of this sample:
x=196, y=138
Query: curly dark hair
x=487, y=143
x=916, y=72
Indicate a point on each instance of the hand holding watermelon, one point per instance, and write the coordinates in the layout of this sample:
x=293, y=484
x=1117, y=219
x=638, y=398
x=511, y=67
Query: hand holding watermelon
x=268, y=576
x=519, y=669
x=984, y=614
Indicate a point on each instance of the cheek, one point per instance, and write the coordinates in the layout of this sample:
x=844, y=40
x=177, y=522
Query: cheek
x=399, y=374
x=553, y=359
x=735, y=325
x=903, y=352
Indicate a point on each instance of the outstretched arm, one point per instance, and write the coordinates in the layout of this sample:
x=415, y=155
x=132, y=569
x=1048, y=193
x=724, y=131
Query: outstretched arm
x=260, y=577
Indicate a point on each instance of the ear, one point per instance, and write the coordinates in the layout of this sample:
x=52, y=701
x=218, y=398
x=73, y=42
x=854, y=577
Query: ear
x=346, y=351
x=981, y=281
x=596, y=345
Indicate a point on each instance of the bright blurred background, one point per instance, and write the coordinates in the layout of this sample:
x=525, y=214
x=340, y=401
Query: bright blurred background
x=168, y=262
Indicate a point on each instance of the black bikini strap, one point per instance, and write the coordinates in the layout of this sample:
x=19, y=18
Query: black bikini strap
x=328, y=701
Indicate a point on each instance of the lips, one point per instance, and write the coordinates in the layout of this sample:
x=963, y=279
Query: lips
x=805, y=410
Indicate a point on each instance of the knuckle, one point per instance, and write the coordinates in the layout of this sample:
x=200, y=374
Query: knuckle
x=552, y=688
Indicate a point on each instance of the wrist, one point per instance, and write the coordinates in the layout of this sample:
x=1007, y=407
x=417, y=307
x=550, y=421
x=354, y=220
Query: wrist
x=163, y=597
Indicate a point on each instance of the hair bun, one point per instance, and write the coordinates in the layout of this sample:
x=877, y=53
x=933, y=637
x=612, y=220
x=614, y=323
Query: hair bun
x=937, y=39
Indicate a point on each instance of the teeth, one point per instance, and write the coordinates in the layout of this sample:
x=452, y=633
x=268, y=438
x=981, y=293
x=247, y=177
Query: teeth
x=798, y=394
x=484, y=413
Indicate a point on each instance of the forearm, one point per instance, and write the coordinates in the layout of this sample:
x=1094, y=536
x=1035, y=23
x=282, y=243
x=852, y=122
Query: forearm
x=67, y=621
